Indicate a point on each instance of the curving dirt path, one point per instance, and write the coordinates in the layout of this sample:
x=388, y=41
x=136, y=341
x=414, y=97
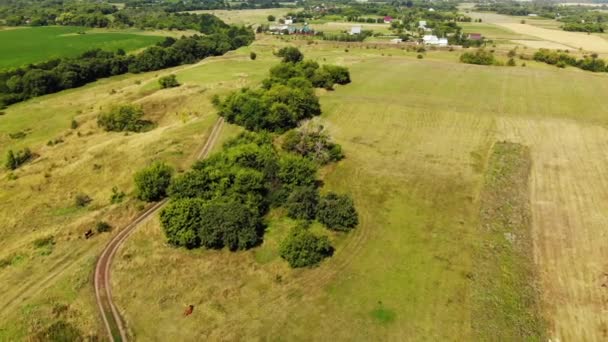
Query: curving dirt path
x=103, y=291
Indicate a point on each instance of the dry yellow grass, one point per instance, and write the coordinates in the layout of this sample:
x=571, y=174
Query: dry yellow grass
x=569, y=206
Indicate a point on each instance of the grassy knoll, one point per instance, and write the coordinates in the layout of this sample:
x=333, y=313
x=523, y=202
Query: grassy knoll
x=35, y=44
x=505, y=293
x=416, y=135
x=40, y=202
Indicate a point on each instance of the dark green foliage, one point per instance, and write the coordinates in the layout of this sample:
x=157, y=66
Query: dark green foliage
x=561, y=59
x=152, y=182
x=302, y=203
x=271, y=18
x=16, y=159
x=181, y=222
x=82, y=200
x=226, y=222
x=123, y=118
x=290, y=54
x=481, y=57
x=303, y=249
x=296, y=170
x=103, y=227
x=286, y=97
x=169, y=81
x=253, y=56
x=337, y=212
x=17, y=135
x=511, y=62
x=74, y=124
x=313, y=143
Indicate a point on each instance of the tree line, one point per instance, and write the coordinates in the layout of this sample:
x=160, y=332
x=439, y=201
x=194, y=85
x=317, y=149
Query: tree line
x=562, y=59
x=64, y=73
x=221, y=202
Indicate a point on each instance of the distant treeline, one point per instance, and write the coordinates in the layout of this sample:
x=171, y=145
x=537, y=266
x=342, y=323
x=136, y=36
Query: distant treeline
x=140, y=13
x=562, y=59
x=65, y=73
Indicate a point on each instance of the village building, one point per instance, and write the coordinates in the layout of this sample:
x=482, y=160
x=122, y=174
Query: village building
x=388, y=19
x=355, y=30
x=433, y=40
x=474, y=36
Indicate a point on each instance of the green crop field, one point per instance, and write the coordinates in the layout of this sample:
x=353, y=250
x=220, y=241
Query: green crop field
x=30, y=45
x=419, y=136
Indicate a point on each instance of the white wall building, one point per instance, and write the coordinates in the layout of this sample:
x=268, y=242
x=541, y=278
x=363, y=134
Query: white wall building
x=433, y=40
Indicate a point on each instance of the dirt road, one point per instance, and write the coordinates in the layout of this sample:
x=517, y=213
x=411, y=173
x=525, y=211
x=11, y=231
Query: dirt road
x=103, y=291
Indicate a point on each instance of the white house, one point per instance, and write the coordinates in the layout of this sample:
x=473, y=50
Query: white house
x=355, y=30
x=431, y=9
x=288, y=21
x=396, y=40
x=433, y=40
x=422, y=24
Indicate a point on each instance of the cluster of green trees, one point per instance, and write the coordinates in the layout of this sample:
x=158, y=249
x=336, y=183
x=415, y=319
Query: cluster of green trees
x=58, y=74
x=480, y=56
x=285, y=98
x=56, y=12
x=125, y=118
x=221, y=201
x=16, y=159
x=562, y=59
x=583, y=27
x=169, y=81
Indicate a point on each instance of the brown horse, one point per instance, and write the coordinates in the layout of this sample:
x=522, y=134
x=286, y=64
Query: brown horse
x=188, y=310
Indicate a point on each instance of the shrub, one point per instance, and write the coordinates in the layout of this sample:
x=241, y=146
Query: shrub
x=302, y=203
x=480, y=57
x=152, y=182
x=169, y=81
x=296, y=171
x=420, y=56
x=290, y=54
x=303, y=249
x=271, y=18
x=123, y=118
x=117, y=196
x=511, y=62
x=253, y=56
x=74, y=124
x=337, y=212
x=181, y=221
x=82, y=200
x=103, y=227
x=16, y=159
x=312, y=142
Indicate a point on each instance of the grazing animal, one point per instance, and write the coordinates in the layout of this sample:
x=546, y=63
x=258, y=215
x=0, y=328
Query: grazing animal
x=88, y=234
x=188, y=310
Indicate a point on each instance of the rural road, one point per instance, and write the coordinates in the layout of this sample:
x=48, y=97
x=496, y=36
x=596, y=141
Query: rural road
x=103, y=290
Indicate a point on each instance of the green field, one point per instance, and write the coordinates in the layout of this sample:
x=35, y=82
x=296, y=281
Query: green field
x=418, y=137
x=36, y=44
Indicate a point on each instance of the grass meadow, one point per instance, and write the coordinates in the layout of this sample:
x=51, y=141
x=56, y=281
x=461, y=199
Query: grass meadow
x=36, y=44
x=417, y=135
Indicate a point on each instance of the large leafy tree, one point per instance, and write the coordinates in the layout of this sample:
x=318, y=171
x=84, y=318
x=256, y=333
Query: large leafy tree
x=152, y=182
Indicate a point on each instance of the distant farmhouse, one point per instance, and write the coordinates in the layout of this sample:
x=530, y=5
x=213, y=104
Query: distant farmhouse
x=474, y=36
x=433, y=40
x=388, y=19
x=355, y=30
x=291, y=29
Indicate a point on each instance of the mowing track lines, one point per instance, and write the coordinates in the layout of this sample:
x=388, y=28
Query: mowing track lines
x=113, y=322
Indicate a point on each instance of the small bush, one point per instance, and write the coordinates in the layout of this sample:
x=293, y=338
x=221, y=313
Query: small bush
x=17, y=135
x=303, y=249
x=82, y=200
x=169, y=81
x=117, y=196
x=290, y=54
x=480, y=57
x=511, y=62
x=420, y=56
x=337, y=212
x=16, y=159
x=123, y=118
x=152, y=182
x=253, y=56
x=103, y=227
